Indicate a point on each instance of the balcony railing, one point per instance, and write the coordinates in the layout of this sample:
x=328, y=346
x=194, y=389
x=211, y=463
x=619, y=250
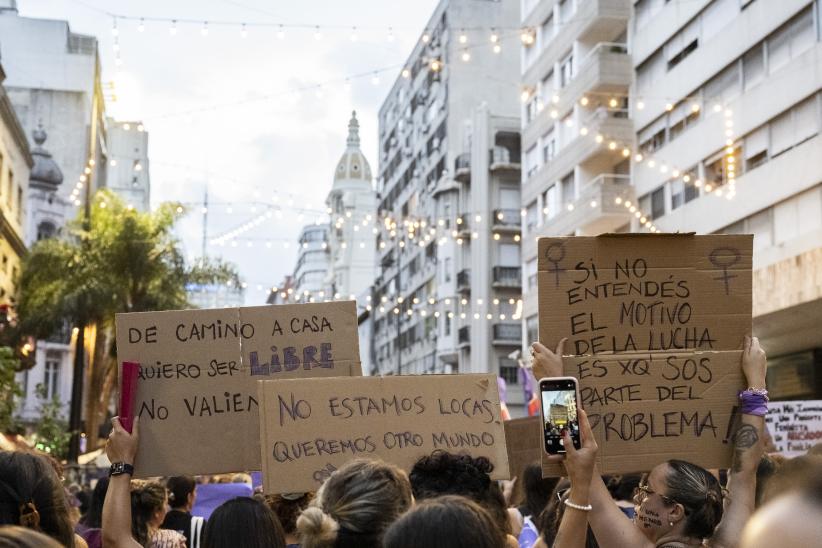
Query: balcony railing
x=506, y=333
x=462, y=167
x=507, y=276
x=507, y=218
x=464, y=335
x=502, y=157
x=464, y=280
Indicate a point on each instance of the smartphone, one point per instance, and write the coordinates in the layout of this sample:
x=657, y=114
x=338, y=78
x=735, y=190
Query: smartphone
x=559, y=400
x=128, y=390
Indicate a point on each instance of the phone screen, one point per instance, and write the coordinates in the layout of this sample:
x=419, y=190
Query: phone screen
x=559, y=413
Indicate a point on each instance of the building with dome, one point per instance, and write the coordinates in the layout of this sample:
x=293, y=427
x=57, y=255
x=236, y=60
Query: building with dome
x=352, y=203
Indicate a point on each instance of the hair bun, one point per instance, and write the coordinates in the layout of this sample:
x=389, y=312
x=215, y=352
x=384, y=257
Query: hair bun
x=317, y=528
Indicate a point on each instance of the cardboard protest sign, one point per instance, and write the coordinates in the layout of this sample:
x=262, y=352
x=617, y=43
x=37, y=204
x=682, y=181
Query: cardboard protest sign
x=311, y=427
x=196, y=392
x=522, y=441
x=654, y=326
x=795, y=426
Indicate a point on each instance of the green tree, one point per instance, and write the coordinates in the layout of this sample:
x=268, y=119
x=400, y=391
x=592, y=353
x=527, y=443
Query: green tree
x=9, y=389
x=51, y=434
x=121, y=261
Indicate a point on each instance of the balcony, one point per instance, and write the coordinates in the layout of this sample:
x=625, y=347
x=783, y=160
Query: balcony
x=508, y=220
x=598, y=207
x=507, y=334
x=464, y=281
x=594, y=21
x=462, y=168
x=464, y=336
x=610, y=125
x=504, y=159
x=507, y=276
x=463, y=226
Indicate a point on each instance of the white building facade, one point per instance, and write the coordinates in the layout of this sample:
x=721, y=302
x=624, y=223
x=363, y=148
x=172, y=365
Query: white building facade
x=577, y=135
x=448, y=285
x=731, y=96
x=312, y=266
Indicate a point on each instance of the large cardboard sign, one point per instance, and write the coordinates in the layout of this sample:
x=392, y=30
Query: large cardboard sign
x=795, y=426
x=197, y=393
x=311, y=427
x=655, y=325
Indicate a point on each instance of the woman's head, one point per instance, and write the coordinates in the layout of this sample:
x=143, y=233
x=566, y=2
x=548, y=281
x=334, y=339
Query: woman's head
x=181, y=492
x=32, y=496
x=148, y=508
x=12, y=536
x=243, y=521
x=288, y=508
x=442, y=473
x=678, y=495
x=355, y=506
x=444, y=522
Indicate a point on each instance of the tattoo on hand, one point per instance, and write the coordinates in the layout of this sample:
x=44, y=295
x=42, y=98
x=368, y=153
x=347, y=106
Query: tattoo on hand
x=744, y=438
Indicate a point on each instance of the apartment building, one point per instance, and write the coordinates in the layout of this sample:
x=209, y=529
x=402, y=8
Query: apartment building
x=449, y=274
x=576, y=130
x=729, y=139
x=128, y=165
x=309, y=279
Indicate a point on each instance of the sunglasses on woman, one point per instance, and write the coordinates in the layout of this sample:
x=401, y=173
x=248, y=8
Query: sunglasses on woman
x=645, y=491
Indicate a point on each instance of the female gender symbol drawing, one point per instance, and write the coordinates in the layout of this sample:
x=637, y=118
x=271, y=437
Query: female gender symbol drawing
x=724, y=258
x=555, y=258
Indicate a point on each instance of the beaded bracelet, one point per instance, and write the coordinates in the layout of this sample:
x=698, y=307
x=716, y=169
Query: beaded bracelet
x=585, y=508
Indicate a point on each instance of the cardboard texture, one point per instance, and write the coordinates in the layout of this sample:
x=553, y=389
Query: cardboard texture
x=795, y=426
x=654, y=326
x=311, y=427
x=522, y=440
x=196, y=392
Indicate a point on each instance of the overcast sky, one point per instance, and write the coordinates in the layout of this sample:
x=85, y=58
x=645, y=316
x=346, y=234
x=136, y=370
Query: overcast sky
x=220, y=109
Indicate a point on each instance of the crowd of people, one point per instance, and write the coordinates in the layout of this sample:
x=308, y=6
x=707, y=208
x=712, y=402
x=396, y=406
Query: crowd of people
x=446, y=500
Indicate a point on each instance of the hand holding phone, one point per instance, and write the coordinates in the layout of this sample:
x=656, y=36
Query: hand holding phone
x=559, y=400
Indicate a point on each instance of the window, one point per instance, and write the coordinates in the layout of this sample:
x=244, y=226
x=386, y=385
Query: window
x=531, y=274
x=724, y=86
x=19, y=204
x=446, y=270
x=566, y=70
x=45, y=230
x=652, y=137
x=568, y=189
x=509, y=371
x=566, y=10
x=547, y=30
x=446, y=325
x=683, y=192
x=531, y=217
x=547, y=86
x=10, y=191
x=531, y=108
x=531, y=161
x=753, y=66
x=682, y=44
x=549, y=146
x=551, y=202
x=717, y=16
x=756, y=148
x=649, y=72
x=761, y=226
x=52, y=376
x=658, y=203
x=508, y=198
x=644, y=10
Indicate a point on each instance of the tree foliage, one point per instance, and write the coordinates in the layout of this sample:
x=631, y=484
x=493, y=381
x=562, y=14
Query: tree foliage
x=51, y=433
x=9, y=389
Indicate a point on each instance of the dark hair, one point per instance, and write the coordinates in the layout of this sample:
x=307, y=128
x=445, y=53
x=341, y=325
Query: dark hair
x=355, y=506
x=545, y=521
x=13, y=536
x=94, y=516
x=624, y=487
x=179, y=488
x=243, y=521
x=288, y=509
x=28, y=478
x=699, y=492
x=443, y=473
x=537, y=489
x=147, y=497
x=445, y=522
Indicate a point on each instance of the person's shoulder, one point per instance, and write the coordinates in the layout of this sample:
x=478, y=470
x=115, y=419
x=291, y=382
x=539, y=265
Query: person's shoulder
x=167, y=538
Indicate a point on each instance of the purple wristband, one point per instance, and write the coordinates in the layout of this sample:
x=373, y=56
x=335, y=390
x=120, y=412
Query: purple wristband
x=753, y=404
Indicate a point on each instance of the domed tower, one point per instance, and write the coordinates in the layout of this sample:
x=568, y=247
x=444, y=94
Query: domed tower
x=46, y=208
x=351, y=202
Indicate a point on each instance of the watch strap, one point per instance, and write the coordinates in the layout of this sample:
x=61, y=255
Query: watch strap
x=119, y=468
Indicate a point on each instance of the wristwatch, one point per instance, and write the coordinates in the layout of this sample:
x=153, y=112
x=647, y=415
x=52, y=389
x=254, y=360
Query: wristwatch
x=118, y=468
